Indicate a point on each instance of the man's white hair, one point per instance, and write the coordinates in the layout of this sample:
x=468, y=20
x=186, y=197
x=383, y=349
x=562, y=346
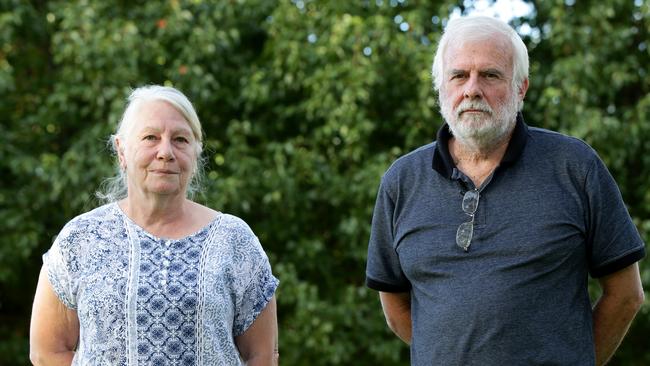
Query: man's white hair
x=480, y=28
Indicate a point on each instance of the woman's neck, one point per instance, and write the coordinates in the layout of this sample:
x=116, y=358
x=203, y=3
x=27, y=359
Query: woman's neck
x=173, y=217
x=160, y=216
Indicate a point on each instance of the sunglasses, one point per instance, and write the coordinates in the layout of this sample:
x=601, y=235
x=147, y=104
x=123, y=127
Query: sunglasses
x=466, y=230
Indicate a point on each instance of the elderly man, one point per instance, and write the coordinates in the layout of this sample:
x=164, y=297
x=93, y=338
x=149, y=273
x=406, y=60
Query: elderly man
x=482, y=241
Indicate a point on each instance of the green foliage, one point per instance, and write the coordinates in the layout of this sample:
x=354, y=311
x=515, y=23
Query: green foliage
x=304, y=105
x=589, y=79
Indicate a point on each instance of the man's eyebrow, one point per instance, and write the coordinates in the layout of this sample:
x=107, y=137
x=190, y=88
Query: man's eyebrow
x=456, y=72
x=492, y=71
x=148, y=129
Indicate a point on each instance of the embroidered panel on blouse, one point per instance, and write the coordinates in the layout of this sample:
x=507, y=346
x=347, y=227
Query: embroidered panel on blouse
x=167, y=297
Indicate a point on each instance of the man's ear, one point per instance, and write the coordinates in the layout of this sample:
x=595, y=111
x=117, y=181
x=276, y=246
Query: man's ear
x=523, y=89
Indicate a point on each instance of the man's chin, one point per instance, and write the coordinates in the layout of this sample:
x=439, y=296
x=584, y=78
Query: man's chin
x=474, y=119
x=478, y=139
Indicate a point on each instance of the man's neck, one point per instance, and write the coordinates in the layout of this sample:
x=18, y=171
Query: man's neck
x=477, y=163
x=475, y=154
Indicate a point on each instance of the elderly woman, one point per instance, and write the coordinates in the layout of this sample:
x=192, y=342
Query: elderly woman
x=153, y=278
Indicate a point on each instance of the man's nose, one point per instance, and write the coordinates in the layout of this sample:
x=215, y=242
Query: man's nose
x=472, y=87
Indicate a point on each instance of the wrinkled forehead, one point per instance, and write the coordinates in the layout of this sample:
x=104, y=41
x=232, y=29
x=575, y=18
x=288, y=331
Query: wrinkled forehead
x=149, y=114
x=154, y=110
x=479, y=52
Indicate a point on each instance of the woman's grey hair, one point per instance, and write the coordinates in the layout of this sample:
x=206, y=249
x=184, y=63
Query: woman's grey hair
x=480, y=28
x=115, y=188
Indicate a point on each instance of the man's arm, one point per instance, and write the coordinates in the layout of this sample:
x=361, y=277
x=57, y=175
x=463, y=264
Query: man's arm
x=397, y=310
x=613, y=313
x=258, y=345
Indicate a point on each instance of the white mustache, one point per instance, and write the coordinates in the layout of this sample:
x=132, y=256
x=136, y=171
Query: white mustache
x=467, y=105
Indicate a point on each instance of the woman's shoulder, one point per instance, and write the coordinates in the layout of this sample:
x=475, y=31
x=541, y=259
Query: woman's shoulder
x=234, y=235
x=83, y=234
x=103, y=217
x=202, y=216
x=234, y=227
x=236, y=246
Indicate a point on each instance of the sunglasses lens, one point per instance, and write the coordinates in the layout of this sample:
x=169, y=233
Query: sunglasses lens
x=464, y=234
x=470, y=201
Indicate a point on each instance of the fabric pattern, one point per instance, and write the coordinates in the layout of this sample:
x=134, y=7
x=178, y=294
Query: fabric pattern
x=144, y=300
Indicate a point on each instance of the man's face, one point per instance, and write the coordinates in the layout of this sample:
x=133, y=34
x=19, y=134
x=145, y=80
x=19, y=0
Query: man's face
x=476, y=97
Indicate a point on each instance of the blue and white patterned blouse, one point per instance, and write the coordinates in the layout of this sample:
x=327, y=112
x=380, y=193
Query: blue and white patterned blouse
x=144, y=300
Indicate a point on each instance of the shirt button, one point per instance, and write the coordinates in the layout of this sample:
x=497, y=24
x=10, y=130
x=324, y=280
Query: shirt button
x=166, y=263
x=168, y=252
x=168, y=243
x=163, y=272
x=163, y=282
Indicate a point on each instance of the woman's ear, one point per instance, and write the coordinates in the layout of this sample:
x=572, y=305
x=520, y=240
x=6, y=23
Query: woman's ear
x=120, y=153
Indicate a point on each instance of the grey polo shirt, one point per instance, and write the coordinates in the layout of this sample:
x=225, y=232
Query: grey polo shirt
x=550, y=215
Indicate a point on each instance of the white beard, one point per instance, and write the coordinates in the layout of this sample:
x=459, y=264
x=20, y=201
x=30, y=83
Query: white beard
x=483, y=131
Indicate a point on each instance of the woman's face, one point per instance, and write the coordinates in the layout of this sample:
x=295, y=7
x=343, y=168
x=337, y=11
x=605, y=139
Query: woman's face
x=159, y=153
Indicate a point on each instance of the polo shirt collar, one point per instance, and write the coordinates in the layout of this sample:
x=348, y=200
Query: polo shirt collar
x=444, y=164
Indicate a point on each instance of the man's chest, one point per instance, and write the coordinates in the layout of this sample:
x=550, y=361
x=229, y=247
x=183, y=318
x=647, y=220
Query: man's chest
x=513, y=228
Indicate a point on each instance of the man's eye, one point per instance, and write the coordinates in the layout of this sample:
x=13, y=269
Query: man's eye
x=149, y=138
x=492, y=75
x=182, y=139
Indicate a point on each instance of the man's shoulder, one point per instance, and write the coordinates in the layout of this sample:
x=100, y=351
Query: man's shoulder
x=560, y=144
x=415, y=159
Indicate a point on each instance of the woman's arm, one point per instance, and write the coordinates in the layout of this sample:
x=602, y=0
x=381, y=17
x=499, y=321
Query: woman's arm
x=54, y=329
x=258, y=345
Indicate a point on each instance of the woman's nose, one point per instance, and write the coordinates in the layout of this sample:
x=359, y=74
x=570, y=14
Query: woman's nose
x=165, y=150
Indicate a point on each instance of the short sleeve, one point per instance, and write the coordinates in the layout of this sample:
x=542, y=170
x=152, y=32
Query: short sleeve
x=259, y=284
x=60, y=262
x=613, y=241
x=383, y=269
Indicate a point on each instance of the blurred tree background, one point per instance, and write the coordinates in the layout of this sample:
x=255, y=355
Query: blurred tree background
x=305, y=104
